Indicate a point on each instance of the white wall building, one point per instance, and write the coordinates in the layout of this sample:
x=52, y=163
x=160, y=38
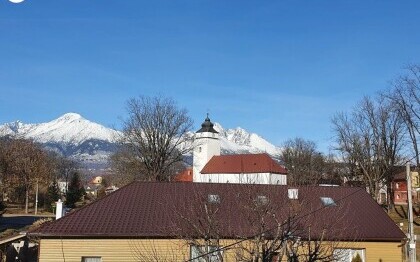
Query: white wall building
x=211, y=167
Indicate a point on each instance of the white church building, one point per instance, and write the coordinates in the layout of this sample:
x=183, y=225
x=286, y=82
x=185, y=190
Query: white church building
x=209, y=166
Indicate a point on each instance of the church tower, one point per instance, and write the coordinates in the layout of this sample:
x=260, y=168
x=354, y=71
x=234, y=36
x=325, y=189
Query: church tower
x=206, y=145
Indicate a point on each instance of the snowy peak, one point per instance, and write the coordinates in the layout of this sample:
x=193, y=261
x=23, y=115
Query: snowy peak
x=239, y=140
x=69, y=117
x=14, y=128
x=68, y=128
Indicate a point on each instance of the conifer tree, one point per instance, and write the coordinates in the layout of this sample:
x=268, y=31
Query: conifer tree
x=75, y=190
x=53, y=194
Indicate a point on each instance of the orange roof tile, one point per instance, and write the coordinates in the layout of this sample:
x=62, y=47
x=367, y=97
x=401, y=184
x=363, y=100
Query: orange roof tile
x=243, y=163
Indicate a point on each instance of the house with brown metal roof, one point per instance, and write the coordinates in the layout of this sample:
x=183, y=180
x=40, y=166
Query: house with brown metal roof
x=150, y=221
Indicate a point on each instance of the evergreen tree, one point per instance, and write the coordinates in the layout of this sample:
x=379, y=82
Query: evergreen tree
x=357, y=258
x=53, y=194
x=75, y=190
x=2, y=206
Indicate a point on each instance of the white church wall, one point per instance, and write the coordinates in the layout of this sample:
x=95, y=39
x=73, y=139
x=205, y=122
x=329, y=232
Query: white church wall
x=206, y=145
x=249, y=178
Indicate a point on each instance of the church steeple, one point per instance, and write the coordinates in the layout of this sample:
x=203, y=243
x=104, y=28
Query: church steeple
x=206, y=145
x=207, y=126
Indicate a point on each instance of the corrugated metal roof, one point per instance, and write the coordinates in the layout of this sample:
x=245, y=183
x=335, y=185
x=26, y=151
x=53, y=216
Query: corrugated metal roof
x=243, y=163
x=160, y=210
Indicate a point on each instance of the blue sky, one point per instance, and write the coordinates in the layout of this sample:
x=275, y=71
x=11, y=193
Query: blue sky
x=281, y=69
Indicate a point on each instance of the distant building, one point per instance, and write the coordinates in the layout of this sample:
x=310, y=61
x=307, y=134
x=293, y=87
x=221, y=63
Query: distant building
x=63, y=186
x=399, y=187
x=243, y=168
x=209, y=166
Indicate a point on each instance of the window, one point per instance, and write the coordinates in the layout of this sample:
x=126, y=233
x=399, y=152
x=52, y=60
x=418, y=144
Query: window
x=261, y=200
x=91, y=259
x=214, y=199
x=397, y=185
x=349, y=255
x=293, y=193
x=199, y=149
x=199, y=253
x=328, y=201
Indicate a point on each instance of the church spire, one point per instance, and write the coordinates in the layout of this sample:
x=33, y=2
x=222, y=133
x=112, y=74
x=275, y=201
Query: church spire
x=207, y=126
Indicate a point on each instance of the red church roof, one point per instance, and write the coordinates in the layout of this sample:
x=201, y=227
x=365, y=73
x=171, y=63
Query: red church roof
x=185, y=176
x=244, y=163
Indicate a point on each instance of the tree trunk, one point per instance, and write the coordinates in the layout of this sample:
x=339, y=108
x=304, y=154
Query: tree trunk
x=26, y=201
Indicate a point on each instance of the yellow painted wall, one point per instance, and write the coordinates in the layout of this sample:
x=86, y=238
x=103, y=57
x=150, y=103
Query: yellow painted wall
x=377, y=251
x=415, y=179
x=72, y=250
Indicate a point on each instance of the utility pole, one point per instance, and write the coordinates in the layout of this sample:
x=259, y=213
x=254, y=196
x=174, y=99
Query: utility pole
x=36, y=198
x=412, y=240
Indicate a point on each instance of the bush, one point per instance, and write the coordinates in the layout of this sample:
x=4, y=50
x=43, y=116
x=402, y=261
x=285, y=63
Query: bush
x=2, y=207
x=357, y=258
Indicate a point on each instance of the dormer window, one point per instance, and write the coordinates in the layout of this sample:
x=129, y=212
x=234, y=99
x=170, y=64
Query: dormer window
x=213, y=198
x=328, y=201
x=261, y=200
x=293, y=193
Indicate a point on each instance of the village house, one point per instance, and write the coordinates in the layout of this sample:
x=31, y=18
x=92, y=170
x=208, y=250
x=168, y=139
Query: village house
x=399, y=187
x=151, y=221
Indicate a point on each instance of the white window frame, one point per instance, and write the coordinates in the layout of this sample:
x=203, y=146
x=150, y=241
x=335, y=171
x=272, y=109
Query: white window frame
x=328, y=201
x=195, y=253
x=91, y=259
x=347, y=254
x=213, y=198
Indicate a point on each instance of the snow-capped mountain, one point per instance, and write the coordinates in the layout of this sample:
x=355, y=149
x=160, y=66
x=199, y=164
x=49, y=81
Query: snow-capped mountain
x=69, y=128
x=241, y=141
x=70, y=135
x=76, y=137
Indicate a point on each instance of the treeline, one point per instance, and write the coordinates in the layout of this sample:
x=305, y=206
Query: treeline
x=379, y=134
x=27, y=169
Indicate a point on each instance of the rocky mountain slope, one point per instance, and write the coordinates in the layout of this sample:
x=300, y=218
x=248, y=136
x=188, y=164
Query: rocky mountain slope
x=91, y=144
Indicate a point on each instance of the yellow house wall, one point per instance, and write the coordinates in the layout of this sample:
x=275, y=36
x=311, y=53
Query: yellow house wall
x=415, y=181
x=72, y=250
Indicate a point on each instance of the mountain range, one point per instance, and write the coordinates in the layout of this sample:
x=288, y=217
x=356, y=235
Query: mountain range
x=91, y=144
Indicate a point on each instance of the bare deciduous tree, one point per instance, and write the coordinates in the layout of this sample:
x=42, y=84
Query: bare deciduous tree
x=126, y=166
x=405, y=96
x=200, y=224
x=304, y=162
x=26, y=164
x=155, y=135
x=264, y=225
x=370, y=140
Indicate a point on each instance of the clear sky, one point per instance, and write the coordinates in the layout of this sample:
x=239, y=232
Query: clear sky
x=281, y=69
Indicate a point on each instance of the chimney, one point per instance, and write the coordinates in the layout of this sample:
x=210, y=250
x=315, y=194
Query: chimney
x=293, y=193
x=59, y=209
